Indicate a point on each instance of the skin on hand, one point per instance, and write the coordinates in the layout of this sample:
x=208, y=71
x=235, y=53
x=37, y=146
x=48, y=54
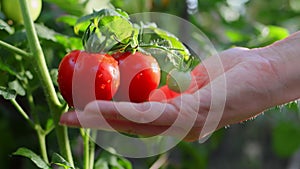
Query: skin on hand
x=254, y=81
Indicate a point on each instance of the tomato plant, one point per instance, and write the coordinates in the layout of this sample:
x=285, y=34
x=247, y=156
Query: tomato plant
x=140, y=75
x=12, y=9
x=131, y=74
x=103, y=66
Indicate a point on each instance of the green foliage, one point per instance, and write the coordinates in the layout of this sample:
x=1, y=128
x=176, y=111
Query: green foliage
x=106, y=160
x=7, y=93
x=60, y=161
x=36, y=159
x=286, y=138
x=245, y=23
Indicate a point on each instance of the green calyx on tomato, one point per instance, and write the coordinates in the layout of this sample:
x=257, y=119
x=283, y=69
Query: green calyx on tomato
x=12, y=9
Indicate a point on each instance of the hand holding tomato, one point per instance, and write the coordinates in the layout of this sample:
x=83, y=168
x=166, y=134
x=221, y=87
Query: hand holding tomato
x=252, y=85
x=194, y=103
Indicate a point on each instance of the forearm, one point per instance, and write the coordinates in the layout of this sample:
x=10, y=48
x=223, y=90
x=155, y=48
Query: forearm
x=284, y=56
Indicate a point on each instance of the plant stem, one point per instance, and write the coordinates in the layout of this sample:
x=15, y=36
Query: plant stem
x=37, y=127
x=92, y=148
x=32, y=107
x=43, y=148
x=40, y=132
x=162, y=160
x=37, y=52
x=86, y=147
x=39, y=62
x=14, y=49
x=22, y=112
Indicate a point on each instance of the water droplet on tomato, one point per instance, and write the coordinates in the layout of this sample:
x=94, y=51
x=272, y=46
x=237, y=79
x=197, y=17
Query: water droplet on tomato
x=103, y=86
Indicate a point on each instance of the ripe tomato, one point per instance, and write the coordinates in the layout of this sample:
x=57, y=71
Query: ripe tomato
x=140, y=75
x=84, y=77
x=178, y=81
x=12, y=10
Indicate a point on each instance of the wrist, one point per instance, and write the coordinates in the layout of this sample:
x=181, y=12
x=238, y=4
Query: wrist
x=284, y=58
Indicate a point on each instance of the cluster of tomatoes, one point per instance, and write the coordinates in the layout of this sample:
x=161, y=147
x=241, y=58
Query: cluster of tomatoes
x=125, y=72
x=84, y=76
x=121, y=76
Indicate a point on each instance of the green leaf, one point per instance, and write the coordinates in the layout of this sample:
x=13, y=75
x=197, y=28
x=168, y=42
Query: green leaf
x=293, y=106
x=69, y=43
x=45, y=33
x=37, y=160
x=277, y=33
x=153, y=33
x=6, y=27
x=106, y=160
x=268, y=35
x=75, y=7
x=235, y=36
x=286, y=138
x=68, y=19
x=175, y=42
x=6, y=68
x=18, y=38
x=117, y=26
x=107, y=34
x=28, y=74
x=83, y=22
x=171, y=46
x=60, y=161
x=15, y=85
x=7, y=93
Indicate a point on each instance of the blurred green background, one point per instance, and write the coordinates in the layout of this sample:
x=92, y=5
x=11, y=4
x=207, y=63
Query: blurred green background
x=272, y=140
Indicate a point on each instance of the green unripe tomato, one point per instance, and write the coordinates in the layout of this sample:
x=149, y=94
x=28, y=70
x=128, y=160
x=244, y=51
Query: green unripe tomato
x=12, y=9
x=179, y=81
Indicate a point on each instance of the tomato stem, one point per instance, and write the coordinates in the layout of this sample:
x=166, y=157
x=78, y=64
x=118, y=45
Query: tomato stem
x=14, y=49
x=39, y=62
x=22, y=112
x=40, y=132
x=85, y=133
x=93, y=135
x=42, y=140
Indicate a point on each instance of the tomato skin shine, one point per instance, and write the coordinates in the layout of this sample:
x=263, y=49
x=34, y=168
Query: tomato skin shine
x=140, y=75
x=84, y=77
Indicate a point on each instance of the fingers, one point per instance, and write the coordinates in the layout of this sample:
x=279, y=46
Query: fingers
x=154, y=113
x=75, y=119
x=148, y=118
x=164, y=125
x=148, y=130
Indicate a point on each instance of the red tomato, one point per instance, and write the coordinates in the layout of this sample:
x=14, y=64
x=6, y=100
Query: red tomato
x=139, y=76
x=84, y=77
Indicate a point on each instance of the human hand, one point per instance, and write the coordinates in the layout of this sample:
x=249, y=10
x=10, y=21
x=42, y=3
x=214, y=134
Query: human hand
x=249, y=77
